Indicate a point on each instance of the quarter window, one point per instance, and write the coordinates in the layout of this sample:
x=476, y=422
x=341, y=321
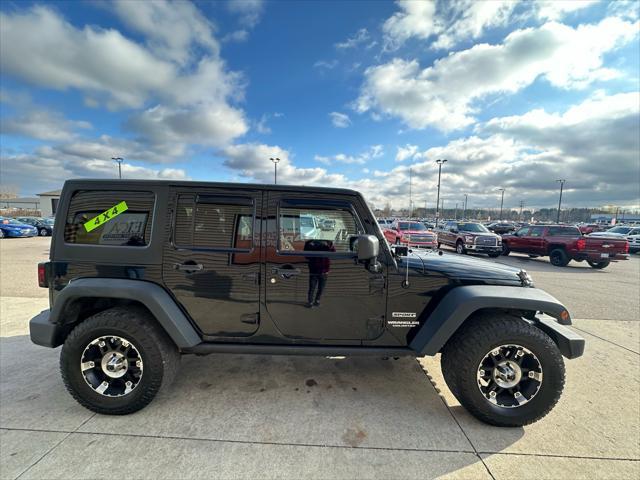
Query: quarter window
x=131, y=228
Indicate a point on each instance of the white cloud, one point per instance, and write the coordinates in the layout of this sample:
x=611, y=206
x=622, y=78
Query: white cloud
x=191, y=98
x=448, y=22
x=251, y=161
x=408, y=151
x=361, y=36
x=415, y=19
x=325, y=65
x=374, y=151
x=47, y=168
x=42, y=125
x=340, y=120
x=171, y=28
x=443, y=95
x=556, y=9
x=238, y=36
x=249, y=11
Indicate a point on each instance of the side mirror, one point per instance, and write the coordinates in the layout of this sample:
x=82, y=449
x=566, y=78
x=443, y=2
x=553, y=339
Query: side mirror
x=367, y=247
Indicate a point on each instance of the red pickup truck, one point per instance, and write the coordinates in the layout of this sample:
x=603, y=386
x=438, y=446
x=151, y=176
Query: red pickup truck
x=563, y=243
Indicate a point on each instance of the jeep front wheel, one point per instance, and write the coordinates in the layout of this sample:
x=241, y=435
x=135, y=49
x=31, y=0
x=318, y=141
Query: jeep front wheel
x=503, y=370
x=116, y=361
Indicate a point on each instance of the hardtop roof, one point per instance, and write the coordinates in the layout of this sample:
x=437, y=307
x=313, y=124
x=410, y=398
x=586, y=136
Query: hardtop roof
x=126, y=183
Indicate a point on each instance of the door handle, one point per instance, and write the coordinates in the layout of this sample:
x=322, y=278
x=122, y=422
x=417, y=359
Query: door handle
x=286, y=271
x=188, y=267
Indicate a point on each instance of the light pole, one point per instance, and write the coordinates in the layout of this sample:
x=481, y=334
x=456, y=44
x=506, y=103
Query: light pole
x=439, y=161
x=561, y=182
x=410, y=179
x=275, y=169
x=119, y=160
x=521, y=207
x=501, y=201
x=464, y=212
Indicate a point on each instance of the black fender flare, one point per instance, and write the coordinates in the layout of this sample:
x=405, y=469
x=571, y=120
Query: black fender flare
x=155, y=298
x=461, y=302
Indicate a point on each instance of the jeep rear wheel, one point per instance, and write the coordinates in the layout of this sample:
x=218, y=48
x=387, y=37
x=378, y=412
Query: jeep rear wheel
x=116, y=361
x=503, y=370
x=559, y=258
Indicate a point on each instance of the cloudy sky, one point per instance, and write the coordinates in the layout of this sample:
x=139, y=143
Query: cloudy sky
x=513, y=94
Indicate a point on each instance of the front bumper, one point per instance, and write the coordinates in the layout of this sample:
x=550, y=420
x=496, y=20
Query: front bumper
x=483, y=248
x=20, y=233
x=571, y=344
x=43, y=332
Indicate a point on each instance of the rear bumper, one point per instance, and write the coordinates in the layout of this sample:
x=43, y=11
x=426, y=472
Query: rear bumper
x=596, y=257
x=43, y=332
x=571, y=344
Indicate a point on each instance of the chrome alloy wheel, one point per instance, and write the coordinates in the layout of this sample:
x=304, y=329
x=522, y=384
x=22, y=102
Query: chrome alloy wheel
x=509, y=376
x=111, y=366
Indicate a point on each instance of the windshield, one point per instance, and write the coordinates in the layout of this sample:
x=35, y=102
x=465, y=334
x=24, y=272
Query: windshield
x=622, y=230
x=472, y=227
x=48, y=221
x=411, y=226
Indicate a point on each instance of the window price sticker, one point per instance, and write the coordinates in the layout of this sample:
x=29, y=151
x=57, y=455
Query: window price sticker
x=105, y=216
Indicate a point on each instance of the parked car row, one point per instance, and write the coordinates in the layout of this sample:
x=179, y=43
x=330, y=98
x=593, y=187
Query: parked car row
x=561, y=243
x=26, y=227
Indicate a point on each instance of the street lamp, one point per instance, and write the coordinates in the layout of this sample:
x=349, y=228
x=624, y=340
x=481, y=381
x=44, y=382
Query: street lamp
x=275, y=169
x=561, y=182
x=464, y=212
x=439, y=161
x=119, y=160
x=501, y=201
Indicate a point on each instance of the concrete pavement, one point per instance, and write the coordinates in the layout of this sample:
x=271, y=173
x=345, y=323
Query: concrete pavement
x=246, y=416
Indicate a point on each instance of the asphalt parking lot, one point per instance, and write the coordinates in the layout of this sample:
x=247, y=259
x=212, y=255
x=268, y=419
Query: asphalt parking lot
x=232, y=416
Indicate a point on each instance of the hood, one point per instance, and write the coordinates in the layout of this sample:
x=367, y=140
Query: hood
x=466, y=268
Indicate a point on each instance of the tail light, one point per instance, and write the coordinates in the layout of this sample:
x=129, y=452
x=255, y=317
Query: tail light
x=626, y=247
x=581, y=243
x=42, y=275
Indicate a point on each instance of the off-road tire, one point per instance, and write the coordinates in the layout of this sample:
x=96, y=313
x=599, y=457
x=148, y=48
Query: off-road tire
x=559, y=258
x=159, y=354
x=505, y=249
x=460, y=248
x=464, y=352
x=599, y=265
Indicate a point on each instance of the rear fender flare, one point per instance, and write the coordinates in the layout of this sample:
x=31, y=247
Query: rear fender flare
x=168, y=314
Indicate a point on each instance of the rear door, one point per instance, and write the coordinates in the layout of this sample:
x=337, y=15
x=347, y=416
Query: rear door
x=314, y=287
x=212, y=263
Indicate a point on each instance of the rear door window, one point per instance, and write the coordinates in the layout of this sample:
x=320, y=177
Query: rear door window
x=564, y=232
x=214, y=222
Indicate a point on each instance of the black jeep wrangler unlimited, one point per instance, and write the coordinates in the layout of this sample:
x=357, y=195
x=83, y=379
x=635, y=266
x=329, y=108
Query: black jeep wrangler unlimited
x=141, y=272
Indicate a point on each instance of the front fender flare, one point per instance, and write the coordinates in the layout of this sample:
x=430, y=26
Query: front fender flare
x=152, y=296
x=462, y=302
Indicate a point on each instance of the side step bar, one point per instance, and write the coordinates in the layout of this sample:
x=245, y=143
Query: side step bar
x=314, y=350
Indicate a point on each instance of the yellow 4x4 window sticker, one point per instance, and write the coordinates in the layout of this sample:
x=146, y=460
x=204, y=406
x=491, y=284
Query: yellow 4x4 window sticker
x=105, y=216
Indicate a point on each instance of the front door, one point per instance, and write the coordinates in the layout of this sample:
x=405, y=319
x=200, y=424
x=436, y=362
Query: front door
x=212, y=263
x=314, y=287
